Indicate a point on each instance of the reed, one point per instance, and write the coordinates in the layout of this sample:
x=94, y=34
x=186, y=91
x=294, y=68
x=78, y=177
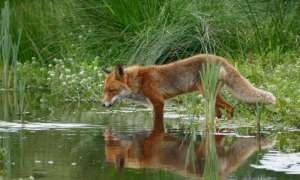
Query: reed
x=209, y=77
x=8, y=50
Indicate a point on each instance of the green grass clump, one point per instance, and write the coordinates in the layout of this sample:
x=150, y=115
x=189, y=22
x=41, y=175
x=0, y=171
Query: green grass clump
x=209, y=78
x=210, y=81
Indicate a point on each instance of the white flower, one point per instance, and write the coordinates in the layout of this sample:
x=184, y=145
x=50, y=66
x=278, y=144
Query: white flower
x=81, y=72
x=51, y=73
x=68, y=70
x=50, y=65
x=64, y=83
x=82, y=81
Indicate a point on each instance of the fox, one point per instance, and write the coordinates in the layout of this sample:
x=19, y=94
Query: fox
x=156, y=83
x=169, y=152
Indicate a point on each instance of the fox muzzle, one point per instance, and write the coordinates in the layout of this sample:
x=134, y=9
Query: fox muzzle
x=107, y=104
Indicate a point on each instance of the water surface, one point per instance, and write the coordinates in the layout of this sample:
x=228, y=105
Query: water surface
x=86, y=141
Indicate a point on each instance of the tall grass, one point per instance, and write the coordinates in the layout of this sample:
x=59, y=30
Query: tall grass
x=156, y=31
x=8, y=51
x=210, y=81
x=209, y=77
x=47, y=28
x=168, y=30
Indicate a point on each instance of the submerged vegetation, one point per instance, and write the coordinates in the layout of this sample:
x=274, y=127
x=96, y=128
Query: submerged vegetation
x=64, y=44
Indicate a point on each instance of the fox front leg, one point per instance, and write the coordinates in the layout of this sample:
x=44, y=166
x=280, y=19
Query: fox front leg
x=151, y=90
x=158, y=113
x=158, y=116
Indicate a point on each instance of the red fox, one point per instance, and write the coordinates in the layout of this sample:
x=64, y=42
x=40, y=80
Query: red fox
x=157, y=83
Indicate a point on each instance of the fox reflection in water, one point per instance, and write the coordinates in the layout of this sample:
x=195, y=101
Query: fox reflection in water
x=168, y=152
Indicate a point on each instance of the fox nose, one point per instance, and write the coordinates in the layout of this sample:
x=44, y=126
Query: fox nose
x=107, y=104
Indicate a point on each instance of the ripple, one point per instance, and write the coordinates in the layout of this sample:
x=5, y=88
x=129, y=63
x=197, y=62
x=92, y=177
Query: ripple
x=288, y=163
x=13, y=127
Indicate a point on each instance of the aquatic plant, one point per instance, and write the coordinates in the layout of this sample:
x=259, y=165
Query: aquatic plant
x=19, y=97
x=209, y=77
x=9, y=50
x=1, y=161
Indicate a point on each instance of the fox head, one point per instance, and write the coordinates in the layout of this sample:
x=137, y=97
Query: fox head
x=115, y=86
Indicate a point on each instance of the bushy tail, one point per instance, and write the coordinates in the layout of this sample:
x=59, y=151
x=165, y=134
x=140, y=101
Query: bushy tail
x=242, y=89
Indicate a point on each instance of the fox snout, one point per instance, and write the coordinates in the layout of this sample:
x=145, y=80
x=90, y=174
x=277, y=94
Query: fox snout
x=106, y=104
x=108, y=101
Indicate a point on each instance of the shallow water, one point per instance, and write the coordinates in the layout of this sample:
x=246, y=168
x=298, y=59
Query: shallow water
x=86, y=141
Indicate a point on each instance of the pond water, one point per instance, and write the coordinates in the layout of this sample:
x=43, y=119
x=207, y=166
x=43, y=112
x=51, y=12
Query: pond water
x=87, y=141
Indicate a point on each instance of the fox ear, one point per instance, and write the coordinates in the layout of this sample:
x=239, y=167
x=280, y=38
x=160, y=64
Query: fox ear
x=119, y=72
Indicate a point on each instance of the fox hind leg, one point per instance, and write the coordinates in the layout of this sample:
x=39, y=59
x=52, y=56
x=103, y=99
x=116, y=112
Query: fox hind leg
x=221, y=103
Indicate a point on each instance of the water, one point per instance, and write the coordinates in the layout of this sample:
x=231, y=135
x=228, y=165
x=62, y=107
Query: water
x=87, y=141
